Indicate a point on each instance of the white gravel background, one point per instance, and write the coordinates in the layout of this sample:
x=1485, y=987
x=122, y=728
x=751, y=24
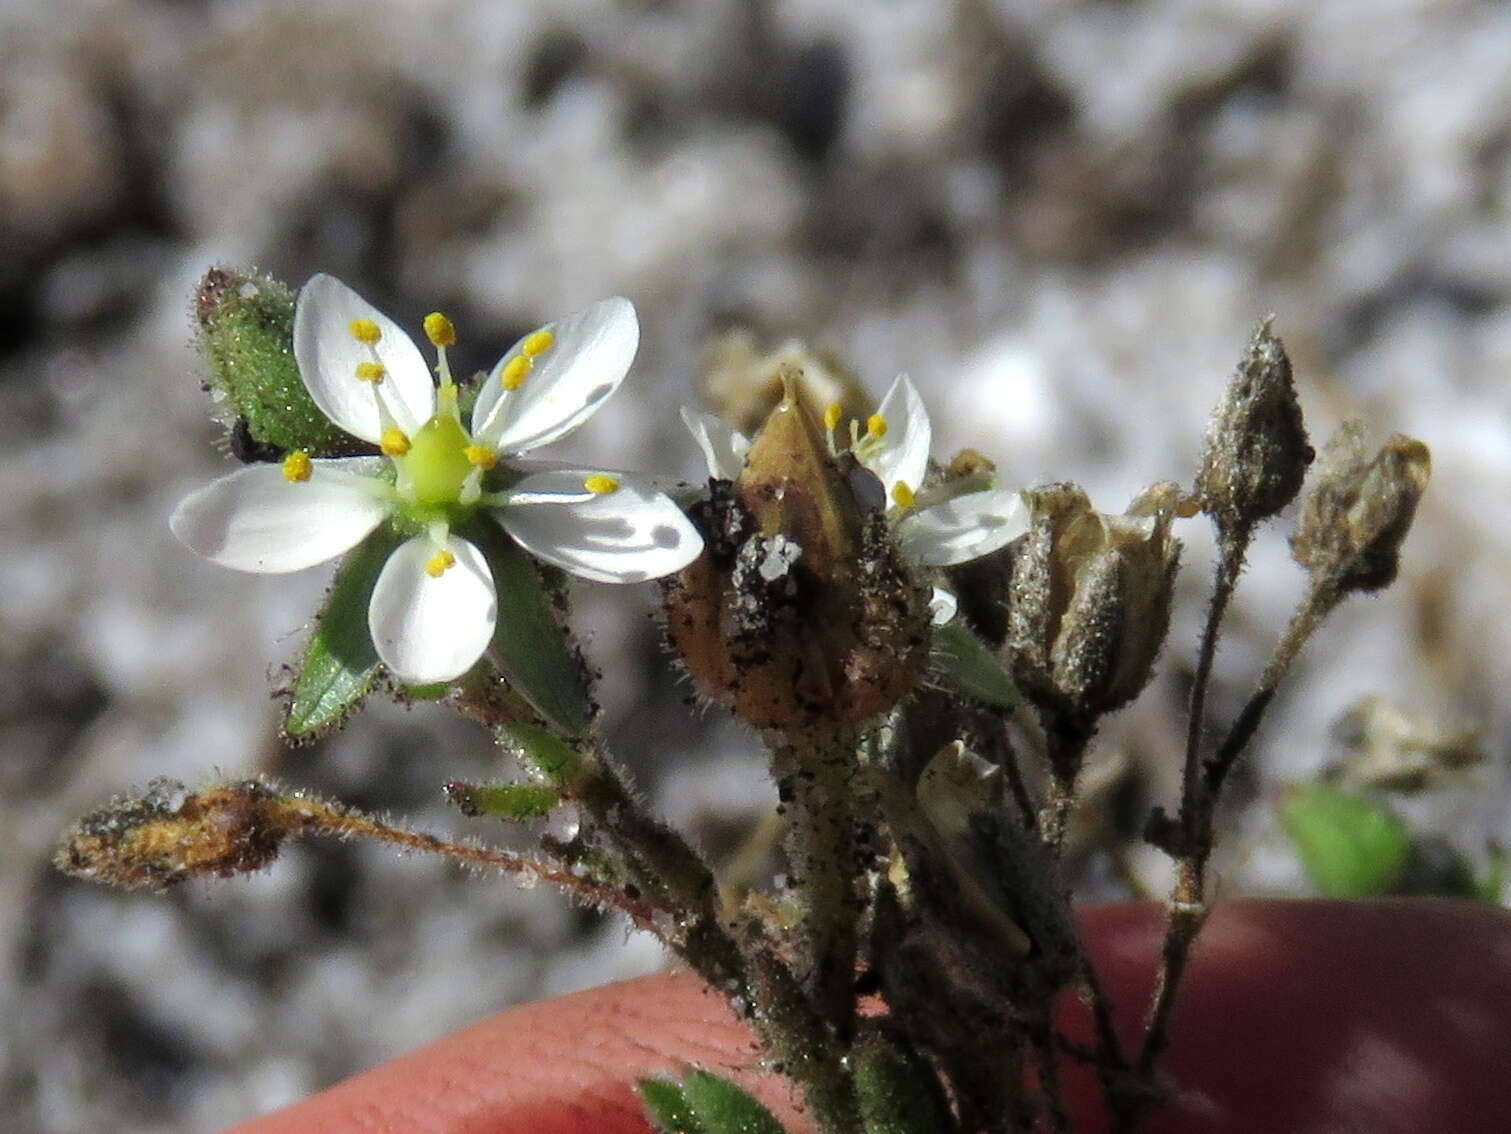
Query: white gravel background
x=1062, y=219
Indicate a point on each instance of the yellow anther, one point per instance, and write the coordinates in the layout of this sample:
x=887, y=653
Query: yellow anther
x=297, y=467
x=436, y=565
x=512, y=377
x=439, y=330
x=371, y=372
x=481, y=456
x=876, y=426
x=600, y=485
x=832, y=414
x=365, y=331
x=393, y=442
x=902, y=495
x=538, y=343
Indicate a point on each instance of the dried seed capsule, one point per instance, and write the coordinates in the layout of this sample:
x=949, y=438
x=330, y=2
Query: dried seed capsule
x=171, y=834
x=1359, y=508
x=1257, y=452
x=1089, y=600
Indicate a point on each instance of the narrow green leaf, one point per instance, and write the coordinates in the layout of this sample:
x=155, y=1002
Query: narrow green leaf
x=667, y=1107
x=1350, y=846
x=969, y=666
x=550, y=757
x=898, y=1091
x=511, y=802
x=339, y=663
x=724, y=1108
x=528, y=643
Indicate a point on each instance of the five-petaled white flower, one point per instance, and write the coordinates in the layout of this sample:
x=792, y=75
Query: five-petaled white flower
x=940, y=526
x=434, y=605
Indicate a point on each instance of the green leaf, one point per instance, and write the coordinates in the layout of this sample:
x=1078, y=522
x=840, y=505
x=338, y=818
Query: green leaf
x=898, y=1091
x=246, y=332
x=971, y=668
x=546, y=754
x=528, y=643
x=1351, y=847
x=723, y=1108
x=511, y=802
x=339, y=663
x=1493, y=883
x=667, y=1107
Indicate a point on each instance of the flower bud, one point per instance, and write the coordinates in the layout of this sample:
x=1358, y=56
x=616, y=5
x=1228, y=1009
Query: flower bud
x=245, y=324
x=1359, y=509
x=1257, y=452
x=1089, y=600
x=800, y=611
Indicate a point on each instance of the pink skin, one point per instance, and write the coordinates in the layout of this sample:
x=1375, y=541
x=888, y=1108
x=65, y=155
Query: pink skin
x=1297, y=1017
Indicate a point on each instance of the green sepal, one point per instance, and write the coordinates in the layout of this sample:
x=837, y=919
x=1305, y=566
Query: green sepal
x=433, y=692
x=547, y=755
x=246, y=333
x=1351, y=847
x=511, y=802
x=970, y=667
x=898, y=1091
x=721, y=1107
x=667, y=1107
x=340, y=662
x=528, y=642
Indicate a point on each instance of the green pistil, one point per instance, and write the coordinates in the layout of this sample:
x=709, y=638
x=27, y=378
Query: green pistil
x=436, y=463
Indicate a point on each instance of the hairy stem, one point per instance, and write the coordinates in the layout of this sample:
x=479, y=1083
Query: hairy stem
x=1188, y=906
x=816, y=778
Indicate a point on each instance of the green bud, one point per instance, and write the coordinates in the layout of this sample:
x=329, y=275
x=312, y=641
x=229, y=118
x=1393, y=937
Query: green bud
x=547, y=755
x=511, y=802
x=245, y=324
x=971, y=668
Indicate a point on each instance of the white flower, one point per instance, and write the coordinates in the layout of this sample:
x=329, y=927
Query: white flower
x=940, y=526
x=433, y=607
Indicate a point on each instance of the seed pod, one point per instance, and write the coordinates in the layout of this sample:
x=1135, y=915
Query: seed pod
x=800, y=611
x=171, y=834
x=1089, y=600
x=1257, y=452
x=1359, y=509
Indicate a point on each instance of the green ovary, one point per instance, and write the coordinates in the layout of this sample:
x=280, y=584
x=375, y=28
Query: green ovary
x=437, y=461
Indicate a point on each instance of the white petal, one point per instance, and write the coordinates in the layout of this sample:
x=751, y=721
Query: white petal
x=432, y=628
x=723, y=448
x=964, y=528
x=626, y=536
x=589, y=357
x=902, y=453
x=328, y=357
x=255, y=519
x=943, y=606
